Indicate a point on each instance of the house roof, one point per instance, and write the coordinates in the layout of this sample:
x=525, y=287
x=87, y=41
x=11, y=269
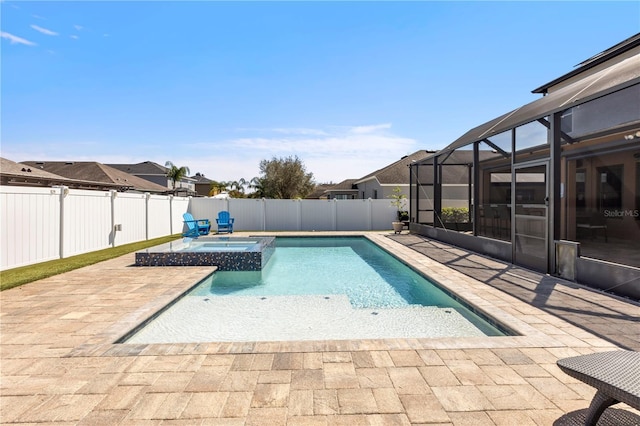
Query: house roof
x=25, y=174
x=144, y=168
x=199, y=178
x=396, y=173
x=593, y=61
x=319, y=190
x=96, y=172
x=345, y=185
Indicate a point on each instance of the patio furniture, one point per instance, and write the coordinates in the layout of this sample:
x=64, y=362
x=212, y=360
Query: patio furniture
x=225, y=222
x=614, y=374
x=195, y=227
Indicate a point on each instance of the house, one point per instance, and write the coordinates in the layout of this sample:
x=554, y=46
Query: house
x=95, y=176
x=319, y=192
x=202, y=185
x=345, y=190
x=380, y=184
x=560, y=191
x=157, y=174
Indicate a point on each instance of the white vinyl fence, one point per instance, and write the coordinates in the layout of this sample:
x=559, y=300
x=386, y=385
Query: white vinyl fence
x=40, y=224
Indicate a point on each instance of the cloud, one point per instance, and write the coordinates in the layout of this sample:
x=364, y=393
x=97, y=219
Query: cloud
x=75, y=37
x=78, y=27
x=299, y=131
x=335, y=154
x=370, y=129
x=38, y=17
x=44, y=30
x=15, y=39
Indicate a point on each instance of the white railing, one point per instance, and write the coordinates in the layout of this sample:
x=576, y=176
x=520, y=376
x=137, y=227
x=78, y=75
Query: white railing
x=40, y=224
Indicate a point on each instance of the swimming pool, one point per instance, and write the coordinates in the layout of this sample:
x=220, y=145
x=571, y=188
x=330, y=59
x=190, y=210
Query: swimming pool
x=315, y=289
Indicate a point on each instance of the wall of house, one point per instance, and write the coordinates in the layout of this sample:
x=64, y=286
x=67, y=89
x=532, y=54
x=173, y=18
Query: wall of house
x=370, y=189
x=159, y=179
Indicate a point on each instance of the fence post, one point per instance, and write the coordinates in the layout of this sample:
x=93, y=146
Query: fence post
x=147, y=196
x=64, y=191
x=114, y=194
x=334, y=215
x=299, y=211
x=170, y=214
x=264, y=214
x=370, y=211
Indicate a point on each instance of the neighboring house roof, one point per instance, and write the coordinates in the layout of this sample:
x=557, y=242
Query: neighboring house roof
x=96, y=172
x=345, y=185
x=396, y=173
x=200, y=179
x=144, y=168
x=623, y=46
x=148, y=168
x=13, y=173
x=319, y=190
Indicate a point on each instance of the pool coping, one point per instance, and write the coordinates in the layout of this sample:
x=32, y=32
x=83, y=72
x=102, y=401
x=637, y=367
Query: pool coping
x=536, y=328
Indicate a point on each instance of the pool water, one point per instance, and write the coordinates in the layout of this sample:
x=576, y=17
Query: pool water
x=369, y=276
x=316, y=288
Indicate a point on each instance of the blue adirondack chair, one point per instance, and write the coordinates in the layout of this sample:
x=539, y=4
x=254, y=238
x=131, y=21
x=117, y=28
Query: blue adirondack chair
x=225, y=222
x=195, y=227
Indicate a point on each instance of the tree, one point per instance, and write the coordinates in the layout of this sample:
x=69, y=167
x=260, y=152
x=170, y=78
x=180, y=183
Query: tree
x=284, y=178
x=258, y=188
x=237, y=188
x=216, y=187
x=176, y=173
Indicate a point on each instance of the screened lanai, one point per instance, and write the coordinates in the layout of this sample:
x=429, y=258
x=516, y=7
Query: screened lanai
x=553, y=185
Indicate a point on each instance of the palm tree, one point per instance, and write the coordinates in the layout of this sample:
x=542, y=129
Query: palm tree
x=176, y=173
x=217, y=187
x=257, y=184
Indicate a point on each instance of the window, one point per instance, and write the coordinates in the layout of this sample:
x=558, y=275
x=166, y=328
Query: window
x=610, y=188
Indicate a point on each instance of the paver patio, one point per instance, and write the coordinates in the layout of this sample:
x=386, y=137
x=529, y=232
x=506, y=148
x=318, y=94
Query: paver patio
x=59, y=363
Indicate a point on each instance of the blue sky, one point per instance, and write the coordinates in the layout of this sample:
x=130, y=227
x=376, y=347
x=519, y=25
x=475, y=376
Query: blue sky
x=348, y=87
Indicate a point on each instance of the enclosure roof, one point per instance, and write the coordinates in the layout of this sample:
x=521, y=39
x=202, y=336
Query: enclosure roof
x=396, y=173
x=594, y=61
x=616, y=77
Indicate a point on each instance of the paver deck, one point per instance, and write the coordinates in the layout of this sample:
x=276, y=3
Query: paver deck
x=59, y=363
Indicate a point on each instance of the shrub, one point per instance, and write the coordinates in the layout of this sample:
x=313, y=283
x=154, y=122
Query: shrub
x=455, y=215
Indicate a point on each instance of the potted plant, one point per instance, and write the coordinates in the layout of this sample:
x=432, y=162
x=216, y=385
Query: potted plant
x=398, y=200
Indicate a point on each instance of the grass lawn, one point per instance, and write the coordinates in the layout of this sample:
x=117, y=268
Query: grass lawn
x=17, y=276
